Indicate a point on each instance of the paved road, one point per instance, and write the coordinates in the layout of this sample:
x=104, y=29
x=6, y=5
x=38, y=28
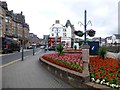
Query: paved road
x=6, y=58
x=30, y=74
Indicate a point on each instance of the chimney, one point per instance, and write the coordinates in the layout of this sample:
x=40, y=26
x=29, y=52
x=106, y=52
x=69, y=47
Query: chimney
x=21, y=12
x=57, y=22
x=11, y=11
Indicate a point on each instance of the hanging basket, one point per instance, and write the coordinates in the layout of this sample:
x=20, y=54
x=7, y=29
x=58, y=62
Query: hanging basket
x=91, y=32
x=79, y=33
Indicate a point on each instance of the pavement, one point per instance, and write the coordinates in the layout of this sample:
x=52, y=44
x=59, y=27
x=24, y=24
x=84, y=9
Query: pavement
x=30, y=74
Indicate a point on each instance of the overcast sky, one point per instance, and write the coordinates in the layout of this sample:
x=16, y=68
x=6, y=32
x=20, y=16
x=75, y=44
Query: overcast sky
x=41, y=14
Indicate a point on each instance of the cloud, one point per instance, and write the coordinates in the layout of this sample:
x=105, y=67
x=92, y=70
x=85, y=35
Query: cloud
x=40, y=15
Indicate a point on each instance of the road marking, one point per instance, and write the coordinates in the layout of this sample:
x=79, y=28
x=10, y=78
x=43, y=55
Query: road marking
x=10, y=63
x=13, y=62
x=16, y=60
x=12, y=53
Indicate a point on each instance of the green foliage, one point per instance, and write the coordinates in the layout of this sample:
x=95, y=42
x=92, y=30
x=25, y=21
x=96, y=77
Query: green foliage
x=102, y=52
x=59, y=48
x=80, y=43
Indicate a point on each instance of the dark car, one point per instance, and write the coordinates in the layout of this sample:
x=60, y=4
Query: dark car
x=51, y=48
x=30, y=47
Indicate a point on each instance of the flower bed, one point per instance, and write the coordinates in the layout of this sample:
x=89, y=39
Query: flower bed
x=70, y=61
x=105, y=71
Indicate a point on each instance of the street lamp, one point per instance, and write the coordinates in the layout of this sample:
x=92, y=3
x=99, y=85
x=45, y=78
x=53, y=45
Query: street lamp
x=90, y=32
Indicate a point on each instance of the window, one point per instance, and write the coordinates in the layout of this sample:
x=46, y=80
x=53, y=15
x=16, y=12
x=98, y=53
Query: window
x=64, y=35
x=52, y=29
x=52, y=34
x=6, y=19
x=0, y=26
x=64, y=30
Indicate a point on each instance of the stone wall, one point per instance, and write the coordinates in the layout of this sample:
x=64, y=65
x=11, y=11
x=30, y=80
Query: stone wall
x=75, y=79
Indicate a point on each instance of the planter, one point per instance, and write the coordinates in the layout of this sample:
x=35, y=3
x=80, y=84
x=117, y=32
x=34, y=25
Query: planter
x=91, y=33
x=79, y=33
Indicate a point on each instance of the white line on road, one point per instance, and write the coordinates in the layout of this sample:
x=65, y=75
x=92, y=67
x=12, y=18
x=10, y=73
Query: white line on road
x=9, y=63
x=12, y=62
x=16, y=61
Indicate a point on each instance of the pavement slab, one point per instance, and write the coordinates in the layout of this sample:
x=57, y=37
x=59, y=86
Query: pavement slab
x=30, y=74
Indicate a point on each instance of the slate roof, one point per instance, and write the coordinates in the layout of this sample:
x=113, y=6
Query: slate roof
x=4, y=5
x=68, y=23
x=117, y=36
x=20, y=18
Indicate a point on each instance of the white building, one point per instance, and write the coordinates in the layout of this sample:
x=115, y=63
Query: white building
x=66, y=32
x=116, y=39
x=109, y=41
x=112, y=40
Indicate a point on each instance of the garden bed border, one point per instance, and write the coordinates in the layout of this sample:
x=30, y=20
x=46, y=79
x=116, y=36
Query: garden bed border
x=74, y=78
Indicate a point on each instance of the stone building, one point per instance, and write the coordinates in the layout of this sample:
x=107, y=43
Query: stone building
x=13, y=25
x=3, y=9
x=34, y=40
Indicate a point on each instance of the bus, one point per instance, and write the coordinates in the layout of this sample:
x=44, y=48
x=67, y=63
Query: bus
x=8, y=45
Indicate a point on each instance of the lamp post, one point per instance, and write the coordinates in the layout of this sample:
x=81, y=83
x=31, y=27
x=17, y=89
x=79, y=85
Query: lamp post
x=85, y=26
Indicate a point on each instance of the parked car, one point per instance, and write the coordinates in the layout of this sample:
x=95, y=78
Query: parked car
x=30, y=47
x=51, y=48
x=42, y=47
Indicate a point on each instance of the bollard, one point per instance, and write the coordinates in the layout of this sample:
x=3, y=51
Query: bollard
x=22, y=54
x=33, y=50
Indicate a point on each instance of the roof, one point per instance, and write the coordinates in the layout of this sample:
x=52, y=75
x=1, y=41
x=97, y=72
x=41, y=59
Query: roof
x=4, y=5
x=98, y=38
x=68, y=23
x=110, y=37
x=20, y=18
x=117, y=36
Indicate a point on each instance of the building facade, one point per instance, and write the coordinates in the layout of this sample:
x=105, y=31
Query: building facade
x=116, y=39
x=65, y=32
x=35, y=40
x=13, y=25
x=3, y=9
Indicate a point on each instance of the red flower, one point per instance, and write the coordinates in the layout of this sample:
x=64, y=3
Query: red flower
x=96, y=76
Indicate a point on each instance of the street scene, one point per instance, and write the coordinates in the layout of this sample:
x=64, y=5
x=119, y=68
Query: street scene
x=42, y=47
x=30, y=74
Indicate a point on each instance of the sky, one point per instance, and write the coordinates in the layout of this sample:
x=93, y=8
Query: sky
x=41, y=14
